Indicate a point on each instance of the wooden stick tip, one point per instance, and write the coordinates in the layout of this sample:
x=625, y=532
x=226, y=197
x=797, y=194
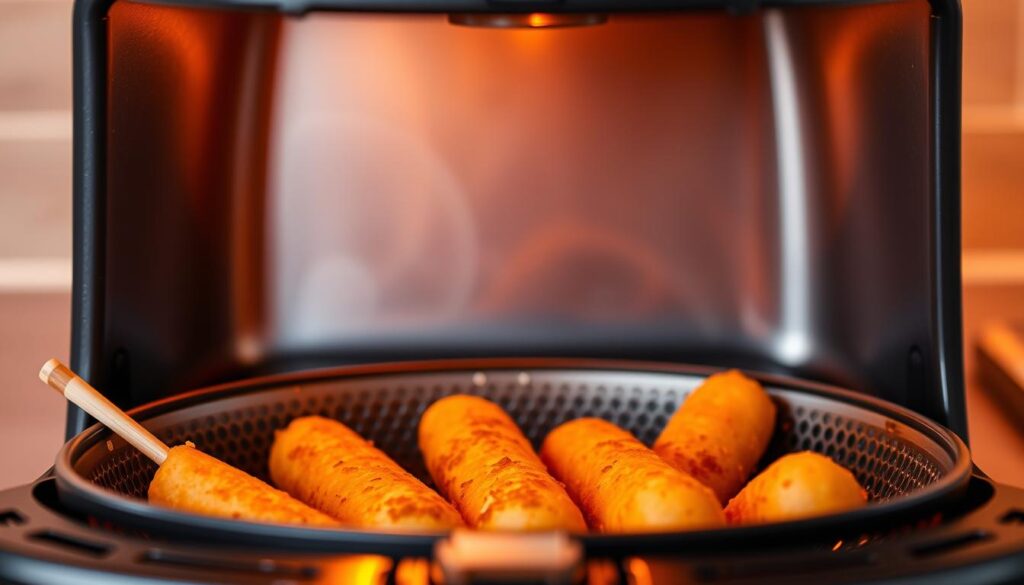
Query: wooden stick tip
x=48, y=368
x=56, y=375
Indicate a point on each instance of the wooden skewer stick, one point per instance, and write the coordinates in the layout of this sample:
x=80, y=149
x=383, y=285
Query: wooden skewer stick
x=79, y=392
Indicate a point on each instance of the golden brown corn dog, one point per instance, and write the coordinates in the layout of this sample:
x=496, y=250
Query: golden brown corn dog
x=192, y=481
x=720, y=432
x=621, y=485
x=798, y=485
x=480, y=459
x=328, y=466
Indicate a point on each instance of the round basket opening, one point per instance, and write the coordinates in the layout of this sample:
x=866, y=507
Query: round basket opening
x=898, y=457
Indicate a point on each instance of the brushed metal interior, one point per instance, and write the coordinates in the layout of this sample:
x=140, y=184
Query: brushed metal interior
x=693, y=186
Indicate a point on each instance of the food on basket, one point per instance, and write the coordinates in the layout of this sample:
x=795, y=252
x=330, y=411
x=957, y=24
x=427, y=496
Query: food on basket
x=720, y=432
x=795, y=486
x=328, y=466
x=621, y=485
x=192, y=481
x=484, y=464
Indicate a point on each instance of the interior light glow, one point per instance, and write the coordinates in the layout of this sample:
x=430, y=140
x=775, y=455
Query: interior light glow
x=526, y=19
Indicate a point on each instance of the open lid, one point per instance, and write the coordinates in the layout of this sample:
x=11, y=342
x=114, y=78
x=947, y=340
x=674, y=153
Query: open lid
x=776, y=189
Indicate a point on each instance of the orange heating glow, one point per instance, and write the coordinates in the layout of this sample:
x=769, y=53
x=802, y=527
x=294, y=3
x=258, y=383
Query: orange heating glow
x=414, y=571
x=640, y=571
x=355, y=570
x=539, y=20
x=527, y=20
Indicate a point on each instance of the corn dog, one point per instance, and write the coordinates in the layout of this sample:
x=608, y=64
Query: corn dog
x=720, y=432
x=621, y=485
x=193, y=481
x=484, y=464
x=187, y=479
x=328, y=466
x=798, y=485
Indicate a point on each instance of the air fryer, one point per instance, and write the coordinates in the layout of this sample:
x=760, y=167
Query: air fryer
x=355, y=207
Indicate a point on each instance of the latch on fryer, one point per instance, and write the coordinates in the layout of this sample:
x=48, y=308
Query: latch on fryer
x=468, y=557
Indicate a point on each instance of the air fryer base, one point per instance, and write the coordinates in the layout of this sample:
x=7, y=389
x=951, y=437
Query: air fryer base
x=978, y=543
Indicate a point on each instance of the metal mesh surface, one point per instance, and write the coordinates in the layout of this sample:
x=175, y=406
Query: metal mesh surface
x=888, y=458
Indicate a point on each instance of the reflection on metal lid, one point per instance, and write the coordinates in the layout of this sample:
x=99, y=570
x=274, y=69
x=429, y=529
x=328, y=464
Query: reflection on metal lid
x=527, y=20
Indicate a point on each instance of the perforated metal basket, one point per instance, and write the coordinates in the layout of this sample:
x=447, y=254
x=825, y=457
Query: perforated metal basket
x=906, y=463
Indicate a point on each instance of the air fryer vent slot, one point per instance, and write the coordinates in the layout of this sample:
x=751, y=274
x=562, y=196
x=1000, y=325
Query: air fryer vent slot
x=1014, y=516
x=767, y=568
x=10, y=518
x=950, y=544
x=71, y=543
x=262, y=567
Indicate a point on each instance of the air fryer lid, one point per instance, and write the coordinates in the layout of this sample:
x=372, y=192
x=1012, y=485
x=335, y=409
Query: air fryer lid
x=905, y=462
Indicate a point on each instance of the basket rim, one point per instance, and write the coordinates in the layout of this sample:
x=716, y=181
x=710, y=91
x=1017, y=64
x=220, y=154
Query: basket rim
x=78, y=492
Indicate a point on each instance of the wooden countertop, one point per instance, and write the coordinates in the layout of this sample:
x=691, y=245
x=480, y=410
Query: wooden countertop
x=996, y=433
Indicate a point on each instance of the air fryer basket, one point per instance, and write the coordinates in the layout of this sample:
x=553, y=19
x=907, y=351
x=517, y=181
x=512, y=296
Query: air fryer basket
x=906, y=462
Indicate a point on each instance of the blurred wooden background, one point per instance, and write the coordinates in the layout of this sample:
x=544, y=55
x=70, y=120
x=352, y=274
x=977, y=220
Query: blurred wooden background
x=35, y=217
